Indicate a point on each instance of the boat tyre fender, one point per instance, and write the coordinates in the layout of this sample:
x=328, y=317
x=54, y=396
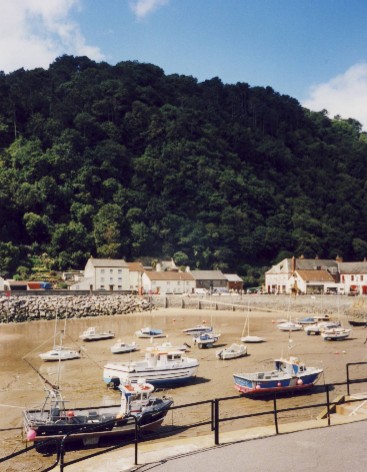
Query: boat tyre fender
x=114, y=383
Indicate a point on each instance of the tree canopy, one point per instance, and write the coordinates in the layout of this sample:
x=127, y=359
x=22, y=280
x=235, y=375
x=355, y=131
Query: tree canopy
x=125, y=161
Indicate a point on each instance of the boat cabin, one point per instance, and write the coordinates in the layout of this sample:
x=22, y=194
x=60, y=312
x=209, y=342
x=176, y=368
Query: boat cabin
x=291, y=366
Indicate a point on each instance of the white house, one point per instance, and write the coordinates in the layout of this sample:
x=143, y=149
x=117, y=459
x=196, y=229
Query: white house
x=168, y=282
x=353, y=277
x=104, y=274
x=312, y=281
x=281, y=279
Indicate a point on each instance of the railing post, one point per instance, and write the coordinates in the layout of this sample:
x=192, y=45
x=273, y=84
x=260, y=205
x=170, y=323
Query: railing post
x=348, y=389
x=136, y=441
x=61, y=452
x=328, y=404
x=275, y=414
x=216, y=422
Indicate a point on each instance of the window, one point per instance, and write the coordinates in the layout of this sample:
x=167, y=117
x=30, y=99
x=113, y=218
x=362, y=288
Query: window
x=361, y=278
x=102, y=279
x=352, y=278
x=111, y=271
x=119, y=271
x=102, y=271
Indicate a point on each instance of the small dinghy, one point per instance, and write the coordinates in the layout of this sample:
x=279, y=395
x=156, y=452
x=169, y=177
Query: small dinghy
x=150, y=333
x=232, y=352
x=120, y=347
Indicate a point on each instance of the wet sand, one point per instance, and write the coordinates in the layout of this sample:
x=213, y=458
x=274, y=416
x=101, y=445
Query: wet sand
x=81, y=379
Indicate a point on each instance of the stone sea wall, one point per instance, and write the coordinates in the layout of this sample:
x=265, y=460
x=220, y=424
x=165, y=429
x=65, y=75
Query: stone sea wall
x=17, y=309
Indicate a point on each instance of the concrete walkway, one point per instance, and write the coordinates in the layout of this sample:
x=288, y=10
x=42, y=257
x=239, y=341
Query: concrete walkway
x=313, y=446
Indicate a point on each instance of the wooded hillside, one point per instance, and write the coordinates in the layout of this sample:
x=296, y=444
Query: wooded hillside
x=125, y=161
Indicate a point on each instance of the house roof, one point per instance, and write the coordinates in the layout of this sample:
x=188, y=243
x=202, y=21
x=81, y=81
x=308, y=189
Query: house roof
x=207, y=275
x=108, y=262
x=169, y=275
x=315, y=275
x=353, y=267
x=314, y=264
x=135, y=266
x=286, y=265
x=233, y=278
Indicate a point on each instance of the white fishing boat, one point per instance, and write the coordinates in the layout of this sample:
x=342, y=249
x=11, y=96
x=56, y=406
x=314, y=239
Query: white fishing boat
x=150, y=333
x=92, y=334
x=249, y=338
x=320, y=327
x=198, y=329
x=121, y=347
x=232, y=352
x=336, y=334
x=289, y=326
x=206, y=340
x=60, y=353
x=168, y=346
x=159, y=367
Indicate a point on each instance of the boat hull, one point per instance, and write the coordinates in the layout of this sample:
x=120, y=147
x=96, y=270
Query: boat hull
x=264, y=387
x=49, y=440
x=114, y=375
x=252, y=339
x=97, y=337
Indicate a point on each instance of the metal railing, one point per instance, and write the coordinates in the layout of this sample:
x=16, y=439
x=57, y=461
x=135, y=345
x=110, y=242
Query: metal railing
x=214, y=420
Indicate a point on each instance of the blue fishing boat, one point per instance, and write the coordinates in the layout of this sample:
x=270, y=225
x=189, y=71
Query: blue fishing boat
x=289, y=375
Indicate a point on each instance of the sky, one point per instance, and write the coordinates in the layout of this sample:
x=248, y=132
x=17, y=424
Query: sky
x=312, y=50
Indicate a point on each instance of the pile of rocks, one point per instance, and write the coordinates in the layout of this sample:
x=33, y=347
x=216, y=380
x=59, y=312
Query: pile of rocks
x=18, y=309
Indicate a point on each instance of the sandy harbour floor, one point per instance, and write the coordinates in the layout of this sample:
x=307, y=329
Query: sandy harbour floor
x=81, y=379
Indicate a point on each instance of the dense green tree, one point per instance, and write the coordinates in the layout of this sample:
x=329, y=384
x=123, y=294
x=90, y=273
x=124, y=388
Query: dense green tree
x=124, y=161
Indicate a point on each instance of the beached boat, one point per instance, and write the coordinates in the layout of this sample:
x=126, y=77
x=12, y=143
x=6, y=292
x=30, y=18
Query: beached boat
x=250, y=338
x=232, y=352
x=149, y=333
x=54, y=418
x=60, y=353
x=289, y=326
x=197, y=330
x=168, y=346
x=121, y=347
x=92, y=334
x=336, y=334
x=206, y=340
x=308, y=320
x=289, y=375
x=320, y=327
x=159, y=367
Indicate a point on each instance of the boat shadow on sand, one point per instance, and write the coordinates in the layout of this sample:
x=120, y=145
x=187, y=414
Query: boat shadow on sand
x=315, y=390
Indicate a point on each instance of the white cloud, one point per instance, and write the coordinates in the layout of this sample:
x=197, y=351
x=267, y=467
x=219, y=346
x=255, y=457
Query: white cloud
x=142, y=8
x=344, y=95
x=34, y=32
